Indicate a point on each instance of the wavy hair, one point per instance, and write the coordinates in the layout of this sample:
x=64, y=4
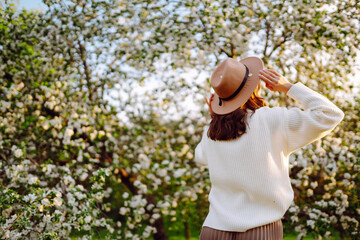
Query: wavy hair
x=232, y=125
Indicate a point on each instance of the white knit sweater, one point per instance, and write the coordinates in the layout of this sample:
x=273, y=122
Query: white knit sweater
x=250, y=184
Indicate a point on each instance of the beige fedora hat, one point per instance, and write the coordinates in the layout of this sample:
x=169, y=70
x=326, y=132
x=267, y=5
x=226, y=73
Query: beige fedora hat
x=234, y=82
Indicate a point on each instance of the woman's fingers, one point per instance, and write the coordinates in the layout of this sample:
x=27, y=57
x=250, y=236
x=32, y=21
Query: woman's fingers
x=267, y=78
x=271, y=78
x=212, y=97
x=274, y=72
x=264, y=78
x=273, y=75
x=268, y=83
x=270, y=75
x=274, y=80
x=208, y=102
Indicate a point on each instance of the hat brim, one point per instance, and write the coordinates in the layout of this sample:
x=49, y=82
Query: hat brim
x=254, y=64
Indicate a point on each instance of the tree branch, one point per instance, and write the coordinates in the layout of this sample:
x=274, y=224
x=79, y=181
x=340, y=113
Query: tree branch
x=278, y=44
x=233, y=50
x=268, y=29
x=86, y=69
x=223, y=51
x=246, y=6
x=13, y=223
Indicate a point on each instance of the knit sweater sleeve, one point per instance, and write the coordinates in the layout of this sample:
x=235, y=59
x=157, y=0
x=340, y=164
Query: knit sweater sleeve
x=199, y=157
x=318, y=117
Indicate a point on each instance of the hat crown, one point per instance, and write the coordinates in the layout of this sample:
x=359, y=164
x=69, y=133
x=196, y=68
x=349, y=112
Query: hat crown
x=234, y=82
x=227, y=77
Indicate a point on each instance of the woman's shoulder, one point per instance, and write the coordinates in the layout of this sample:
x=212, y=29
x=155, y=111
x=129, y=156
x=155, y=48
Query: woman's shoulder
x=270, y=110
x=270, y=115
x=205, y=129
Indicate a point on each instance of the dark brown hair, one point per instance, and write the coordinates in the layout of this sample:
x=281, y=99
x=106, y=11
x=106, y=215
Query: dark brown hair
x=233, y=125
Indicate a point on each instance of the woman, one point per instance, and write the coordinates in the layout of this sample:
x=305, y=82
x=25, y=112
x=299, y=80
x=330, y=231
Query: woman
x=247, y=146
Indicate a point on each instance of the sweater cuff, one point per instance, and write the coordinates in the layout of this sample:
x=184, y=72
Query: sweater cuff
x=296, y=90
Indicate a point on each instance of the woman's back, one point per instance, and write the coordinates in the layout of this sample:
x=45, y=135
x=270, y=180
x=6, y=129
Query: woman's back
x=249, y=175
x=247, y=154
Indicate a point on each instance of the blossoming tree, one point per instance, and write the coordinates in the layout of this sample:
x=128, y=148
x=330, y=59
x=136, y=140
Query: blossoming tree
x=71, y=164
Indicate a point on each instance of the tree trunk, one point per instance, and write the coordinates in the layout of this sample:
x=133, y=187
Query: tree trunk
x=187, y=231
x=159, y=223
x=160, y=230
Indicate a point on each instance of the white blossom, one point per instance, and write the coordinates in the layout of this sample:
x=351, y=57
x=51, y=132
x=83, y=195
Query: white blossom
x=18, y=153
x=88, y=219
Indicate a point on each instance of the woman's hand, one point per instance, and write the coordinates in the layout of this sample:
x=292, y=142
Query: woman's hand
x=208, y=102
x=275, y=81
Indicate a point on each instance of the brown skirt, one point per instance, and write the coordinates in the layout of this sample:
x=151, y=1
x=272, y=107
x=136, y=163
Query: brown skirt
x=272, y=231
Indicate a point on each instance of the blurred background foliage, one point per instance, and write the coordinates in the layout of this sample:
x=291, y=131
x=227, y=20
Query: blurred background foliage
x=102, y=105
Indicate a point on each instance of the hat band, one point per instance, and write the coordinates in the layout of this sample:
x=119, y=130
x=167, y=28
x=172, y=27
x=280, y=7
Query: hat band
x=237, y=90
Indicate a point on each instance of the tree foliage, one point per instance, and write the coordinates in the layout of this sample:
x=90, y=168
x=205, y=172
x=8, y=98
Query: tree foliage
x=75, y=162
